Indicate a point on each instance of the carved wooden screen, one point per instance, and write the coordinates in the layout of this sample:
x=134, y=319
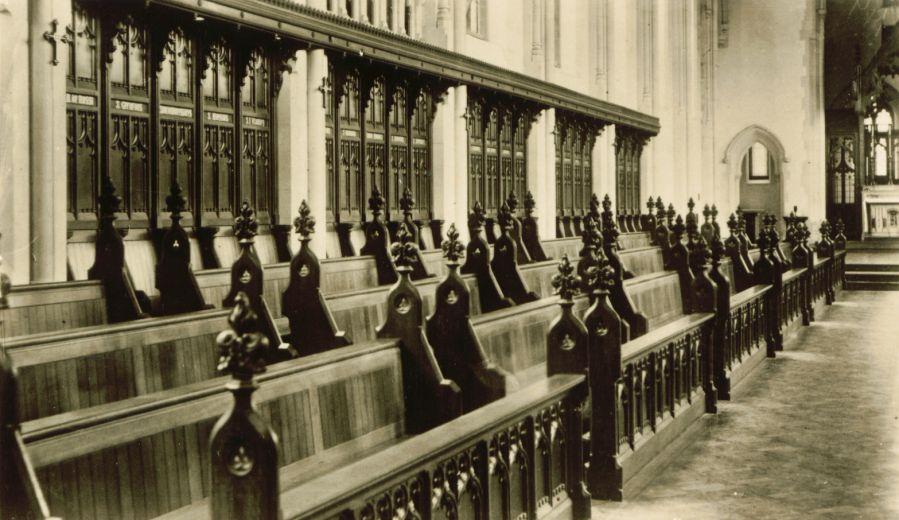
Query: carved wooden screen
x=559, y=136
x=506, y=170
x=176, y=114
x=376, y=137
x=491, y=156
x=330, y=153
x=82, y=118
x=587, y=143
x=575, y=137
x=628, y=149
x=399, y=148
x=349, y=156
x=520, y=159
x=255, y=135
x=422, y=180
x=128, y=123
x=475, y=152
x=217, y=139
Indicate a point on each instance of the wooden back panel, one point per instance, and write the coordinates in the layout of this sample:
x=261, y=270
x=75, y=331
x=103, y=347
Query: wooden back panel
x=634, y=240
x=114, y=362
x=140, y=257
x=557, y=247
x=657, y=297
x=52, y=307
x=646, y=260
x=148, y=464
x=515, y=338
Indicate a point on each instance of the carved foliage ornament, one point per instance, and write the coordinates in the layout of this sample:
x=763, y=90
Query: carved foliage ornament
x=566, y=283
x=241, y=348
x=453, y=249
x=304, y=224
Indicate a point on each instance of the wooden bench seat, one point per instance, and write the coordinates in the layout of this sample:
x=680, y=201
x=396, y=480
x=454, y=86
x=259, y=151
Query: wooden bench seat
x=658, y=296
x=639, y=239
x=643, y=260
x=144, y=461
x=107, y=363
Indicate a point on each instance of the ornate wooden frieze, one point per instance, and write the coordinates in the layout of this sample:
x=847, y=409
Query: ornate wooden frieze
x=575, y=138
x=498, y=127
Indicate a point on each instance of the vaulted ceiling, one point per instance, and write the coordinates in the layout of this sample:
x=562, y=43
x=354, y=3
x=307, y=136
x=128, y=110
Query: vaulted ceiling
x=858, y=33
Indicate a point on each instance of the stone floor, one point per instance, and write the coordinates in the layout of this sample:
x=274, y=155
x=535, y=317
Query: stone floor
x=811, y=434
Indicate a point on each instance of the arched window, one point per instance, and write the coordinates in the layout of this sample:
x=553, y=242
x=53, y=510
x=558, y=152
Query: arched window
x=476, y=18
x=757, y=163
x=879, y=129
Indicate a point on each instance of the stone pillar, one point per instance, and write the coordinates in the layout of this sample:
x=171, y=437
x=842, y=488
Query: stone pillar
x=48, y=60
x=293, y=168
x=545, y=194
x=460, y=153
x=446, y=196
x=316, y=74
x=15, y=192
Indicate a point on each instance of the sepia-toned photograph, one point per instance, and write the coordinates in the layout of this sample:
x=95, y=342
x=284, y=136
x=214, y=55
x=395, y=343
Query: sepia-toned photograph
x=449, y=259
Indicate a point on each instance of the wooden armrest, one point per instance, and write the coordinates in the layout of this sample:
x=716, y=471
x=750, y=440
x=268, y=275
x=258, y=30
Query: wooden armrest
x=748, y=294
x=654, y=338
x=793, y=273
x=325, y=496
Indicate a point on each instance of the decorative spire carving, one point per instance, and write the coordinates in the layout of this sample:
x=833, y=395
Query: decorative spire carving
x=109, y=202
x=594, y=207
x=699, y=253
x=707, y=214
x=304, y=224
x=678, y=228
x=512, y=202
x=403, y=250
x=714, y=214
x=504, y=218
x=241, y=348
x=669, y=216
x=376, y=201
x=245, y=225
x=529, y=204
x=691, y=216
x=566, y=283
x=175, y=202
x=660, y=210
x=453, y=249
x=650, y=205
x=476, y=217
x=406, y=202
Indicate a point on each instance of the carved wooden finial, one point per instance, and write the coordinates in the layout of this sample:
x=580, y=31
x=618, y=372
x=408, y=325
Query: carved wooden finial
x=606, y=203
x=512, y=201
x=109, y=202
x=476, y=217
x=717, y=249
x=669, y=215
x=714, y=213
x=762, y=241
x=245, y=225
x=406, y=202
x=660, y=211
x=241, y=349
x=590, y=233
x=529, y=203
x=692, y=226
x=175, y=201
x=825, y=230
x=504, y=217
x=566, y=283
x=839, y=228
x=376, y=201
x=304, y=224
x=699, y=252
x=678, y=228
x=733, y=225
x=650, y=205
x=453, y=249
x=690, y=206
x=594, y=205
x=707, y=213
x=403, y=250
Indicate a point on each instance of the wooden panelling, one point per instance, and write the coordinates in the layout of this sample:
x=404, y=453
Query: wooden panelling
x=657, y=296
x=645, y=260
x=51, y=307
x=634, y=240
x=155, y=462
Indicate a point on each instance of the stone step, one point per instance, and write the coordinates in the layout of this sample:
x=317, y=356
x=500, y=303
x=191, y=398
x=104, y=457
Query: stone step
x=872, y=267
x=871, y=286
x=872, y=276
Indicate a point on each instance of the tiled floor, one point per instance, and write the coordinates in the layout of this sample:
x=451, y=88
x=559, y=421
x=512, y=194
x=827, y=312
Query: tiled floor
x=812, y=434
